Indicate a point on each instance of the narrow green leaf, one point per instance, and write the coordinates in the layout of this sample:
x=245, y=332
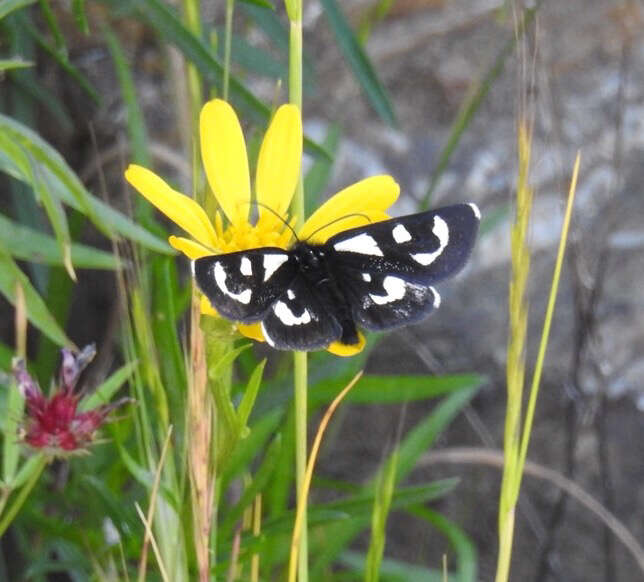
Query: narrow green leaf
x=66, y=185
x=56, y=214
x=257, y=485
x=26, y=470
x=359, y=62
x=145, y=477
x=392, y=389
x=260, y=3
x=163, y=19
x=37, y=312
x=385, y=486
x=135, y=120
x=247, y=449
x=360, y=505
x=45, y=154
x=472, y=104
x=253, y=59
x=6, y=355
x=103, y=394
x=8, y=6
x=28, y=88
x=338, y=536
x=80, y=16
x=12, y=64
x=392, y=570
x=164, y=318
x=421, y=437
x=466, y=560
x=27, y=244
x=60, y=56
x=10, y=444
x=248, y=400
x=54, y=28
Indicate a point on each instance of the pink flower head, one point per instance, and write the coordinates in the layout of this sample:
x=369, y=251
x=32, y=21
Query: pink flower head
x=54, y=424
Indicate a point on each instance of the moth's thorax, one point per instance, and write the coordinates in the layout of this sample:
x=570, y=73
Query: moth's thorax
x=310, y=258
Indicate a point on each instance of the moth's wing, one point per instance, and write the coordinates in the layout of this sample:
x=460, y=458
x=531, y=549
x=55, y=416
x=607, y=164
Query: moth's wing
x=242, y=285
x=382, y=301
x=421, y=248
x=297, y=320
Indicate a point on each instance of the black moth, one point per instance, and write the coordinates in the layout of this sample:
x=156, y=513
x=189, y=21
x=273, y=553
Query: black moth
x=378, y=277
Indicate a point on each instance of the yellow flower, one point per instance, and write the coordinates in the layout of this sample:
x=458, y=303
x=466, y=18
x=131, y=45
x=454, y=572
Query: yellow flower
x=223, y=151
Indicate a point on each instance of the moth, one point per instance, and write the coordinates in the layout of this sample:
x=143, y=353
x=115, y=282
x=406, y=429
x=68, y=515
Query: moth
x=377, y=277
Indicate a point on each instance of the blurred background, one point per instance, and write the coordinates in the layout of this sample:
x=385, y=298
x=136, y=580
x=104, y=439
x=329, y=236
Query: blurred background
x=433, y=102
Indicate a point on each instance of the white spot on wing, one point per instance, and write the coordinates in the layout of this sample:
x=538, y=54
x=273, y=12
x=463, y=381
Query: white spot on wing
x=475, y=210
x=287, y=317
x=272, y=263
x=363, y=244
x=366, y=277
x=267, y=337
x=394, y=289
x=290, y=294
x=220, y=278
x=246, y=267
x=437, y=298
x=192, y=268
x=400, y=234
x=441, y=231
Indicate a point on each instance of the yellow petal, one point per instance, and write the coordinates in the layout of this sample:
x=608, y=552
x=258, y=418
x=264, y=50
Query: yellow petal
x=251, y=330
x=345, y=350
x=207, y=308
x=179, y=208
x=278, y=164
x=190, y=248
x=373, y=194
x=223, y=152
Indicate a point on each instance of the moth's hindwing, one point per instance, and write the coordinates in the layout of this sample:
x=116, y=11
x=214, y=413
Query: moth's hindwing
x=381, y=301
x=420, y=248
x=298, y=320
x=243, y=285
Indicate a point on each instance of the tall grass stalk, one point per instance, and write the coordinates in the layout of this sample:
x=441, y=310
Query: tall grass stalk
x=294, y=10
x=516, y=436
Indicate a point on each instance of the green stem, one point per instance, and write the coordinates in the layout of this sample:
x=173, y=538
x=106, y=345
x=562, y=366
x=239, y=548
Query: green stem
x=18, y=502
x=193, y=21
x=299, y=358
x=230, y=8
x=301, y=381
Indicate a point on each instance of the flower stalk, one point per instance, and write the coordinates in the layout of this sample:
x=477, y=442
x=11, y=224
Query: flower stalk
x=300, y=366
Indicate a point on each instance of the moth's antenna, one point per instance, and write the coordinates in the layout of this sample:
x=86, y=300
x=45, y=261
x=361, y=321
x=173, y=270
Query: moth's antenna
x=365, y=216
x=286, y=224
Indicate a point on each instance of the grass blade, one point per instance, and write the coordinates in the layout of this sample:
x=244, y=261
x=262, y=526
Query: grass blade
x=103, y=394
x=165, y=22
x=8, y=6
x=463, y=547
x=27, y=244
x=12, y=64
x=359, y=62
x=471, y=105
x=65, y=184
x=393, y=389
x=420, y=438
x=37, y=312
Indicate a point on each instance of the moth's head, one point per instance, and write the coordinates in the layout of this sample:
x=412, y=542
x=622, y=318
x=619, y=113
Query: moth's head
x=308, y=256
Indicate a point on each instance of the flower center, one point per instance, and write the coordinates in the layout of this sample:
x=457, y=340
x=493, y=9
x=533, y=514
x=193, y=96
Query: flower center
x=243, y=235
